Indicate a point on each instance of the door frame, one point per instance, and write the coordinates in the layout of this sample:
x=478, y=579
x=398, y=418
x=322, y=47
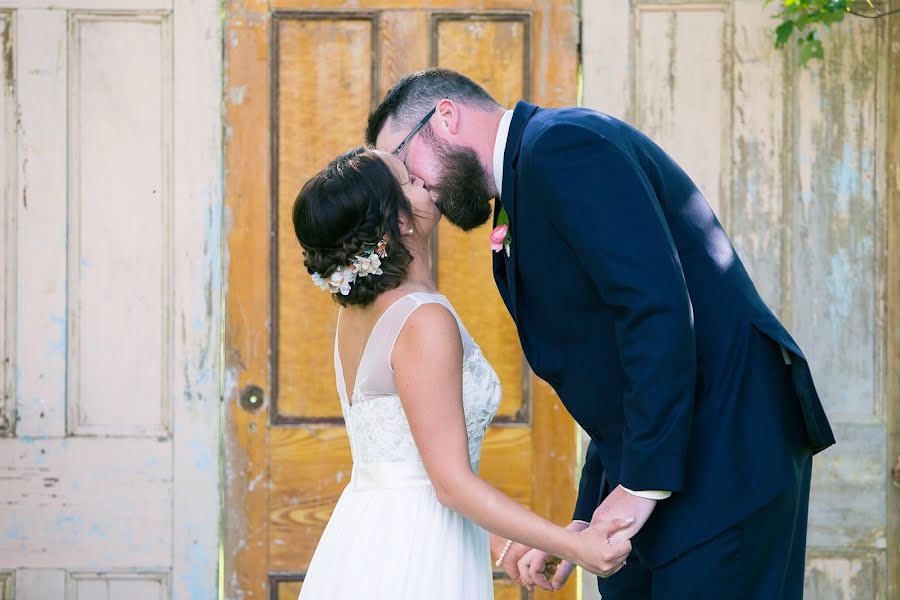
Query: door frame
x=892, y=368
x=249, y=121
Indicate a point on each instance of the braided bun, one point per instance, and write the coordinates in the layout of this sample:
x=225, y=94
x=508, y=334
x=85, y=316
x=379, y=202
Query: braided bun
x=344, y=211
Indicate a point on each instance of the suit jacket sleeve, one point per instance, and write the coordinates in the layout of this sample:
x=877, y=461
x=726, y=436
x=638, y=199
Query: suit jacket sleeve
x=602, y=204
x=589, y=487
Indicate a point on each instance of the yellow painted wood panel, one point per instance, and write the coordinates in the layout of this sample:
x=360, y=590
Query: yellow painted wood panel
x=492, y=52
x=286, y=470
x=289, y=590
x=506, y=461
x=309, y=468
x=247, y=301
x=507, y=590
x=403, y=47
x=324, y=95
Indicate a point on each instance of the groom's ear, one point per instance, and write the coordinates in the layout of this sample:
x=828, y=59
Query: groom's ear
x=447, y=117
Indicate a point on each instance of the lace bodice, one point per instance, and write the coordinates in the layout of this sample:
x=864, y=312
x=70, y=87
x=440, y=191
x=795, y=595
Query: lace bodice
x=376, y=423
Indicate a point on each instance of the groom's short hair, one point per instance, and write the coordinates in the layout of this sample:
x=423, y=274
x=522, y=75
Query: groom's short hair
x=413, y=96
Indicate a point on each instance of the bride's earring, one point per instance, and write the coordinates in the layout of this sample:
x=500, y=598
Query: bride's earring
x=410, y=231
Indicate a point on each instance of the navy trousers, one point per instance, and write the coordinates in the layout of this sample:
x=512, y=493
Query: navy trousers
x=760, y=558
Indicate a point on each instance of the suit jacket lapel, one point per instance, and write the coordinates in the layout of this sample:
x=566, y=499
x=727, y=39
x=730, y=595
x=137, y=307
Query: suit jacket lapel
x=505, y=267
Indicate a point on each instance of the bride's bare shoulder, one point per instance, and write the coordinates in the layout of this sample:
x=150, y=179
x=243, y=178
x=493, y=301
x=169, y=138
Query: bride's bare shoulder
x=431, y=333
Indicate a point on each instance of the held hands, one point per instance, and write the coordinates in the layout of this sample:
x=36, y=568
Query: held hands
x=602, y=548
x=594, y=550
x=547, y=572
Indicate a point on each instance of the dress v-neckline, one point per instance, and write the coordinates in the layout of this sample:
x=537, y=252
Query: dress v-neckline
x=349, y=394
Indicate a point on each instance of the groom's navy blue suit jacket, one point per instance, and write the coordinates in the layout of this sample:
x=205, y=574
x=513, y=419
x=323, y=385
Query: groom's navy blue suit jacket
x=632, y=303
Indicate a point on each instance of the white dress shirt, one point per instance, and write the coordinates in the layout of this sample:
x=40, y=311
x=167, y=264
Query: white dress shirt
x=500, y=150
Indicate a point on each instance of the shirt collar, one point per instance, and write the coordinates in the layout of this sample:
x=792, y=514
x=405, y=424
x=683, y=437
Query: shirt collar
x=500, y=150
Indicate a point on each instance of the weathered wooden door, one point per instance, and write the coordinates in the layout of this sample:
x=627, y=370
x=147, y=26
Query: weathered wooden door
x=110, y=271
x=794, y=163
x=301, y=78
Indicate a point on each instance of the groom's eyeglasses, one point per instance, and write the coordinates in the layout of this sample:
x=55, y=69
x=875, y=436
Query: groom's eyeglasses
x=414, y=131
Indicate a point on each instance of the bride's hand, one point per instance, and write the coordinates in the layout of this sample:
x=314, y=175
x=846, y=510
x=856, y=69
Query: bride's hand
x=545, y=571
x=512, y=557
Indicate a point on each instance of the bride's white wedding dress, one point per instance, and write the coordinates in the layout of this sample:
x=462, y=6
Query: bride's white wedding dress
x=389, y=538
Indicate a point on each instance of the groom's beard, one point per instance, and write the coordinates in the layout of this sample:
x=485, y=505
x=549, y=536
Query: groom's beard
x=462, y=187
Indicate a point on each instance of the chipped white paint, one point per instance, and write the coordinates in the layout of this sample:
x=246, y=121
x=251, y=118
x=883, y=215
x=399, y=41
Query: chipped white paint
x=838, y=222
x=253, y=482
x=40, y=252
x=758, y=145
x=40, y=584
x=792, y=162
x=120, y=197
x=237, y=94
x=110, y=487
x=86, y=503
x=606, y=45
x=197, y=288
x=113, y=586
x=843, y=578
x=679, y=93
x=7, y=585
x=8, y=144
x=92, y=5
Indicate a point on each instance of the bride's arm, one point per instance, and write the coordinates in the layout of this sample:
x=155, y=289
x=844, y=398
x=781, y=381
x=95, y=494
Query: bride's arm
x=427, y=363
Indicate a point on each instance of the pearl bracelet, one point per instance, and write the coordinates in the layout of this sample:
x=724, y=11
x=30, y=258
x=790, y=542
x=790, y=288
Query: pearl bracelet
x=503, y=554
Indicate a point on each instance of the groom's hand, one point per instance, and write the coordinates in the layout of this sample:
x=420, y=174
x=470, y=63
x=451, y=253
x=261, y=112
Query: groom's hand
x=619, y=505
x=512, y=558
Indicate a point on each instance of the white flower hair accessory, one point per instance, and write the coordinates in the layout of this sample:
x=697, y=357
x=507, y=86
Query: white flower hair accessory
x=368, y=262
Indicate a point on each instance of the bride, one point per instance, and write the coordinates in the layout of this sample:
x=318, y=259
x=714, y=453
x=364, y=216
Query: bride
x=417, y=396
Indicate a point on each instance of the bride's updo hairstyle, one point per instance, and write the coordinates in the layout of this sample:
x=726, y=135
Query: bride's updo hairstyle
x=342, y=213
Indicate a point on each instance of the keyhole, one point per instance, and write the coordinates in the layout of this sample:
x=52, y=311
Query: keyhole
x=252, y=398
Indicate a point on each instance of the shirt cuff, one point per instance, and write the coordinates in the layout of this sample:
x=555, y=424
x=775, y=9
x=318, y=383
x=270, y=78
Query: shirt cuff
x=649, y=494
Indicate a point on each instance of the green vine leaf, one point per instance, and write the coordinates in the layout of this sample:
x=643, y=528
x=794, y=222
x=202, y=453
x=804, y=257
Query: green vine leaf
x=810, y=48
x=783, y=33
x=805, y=18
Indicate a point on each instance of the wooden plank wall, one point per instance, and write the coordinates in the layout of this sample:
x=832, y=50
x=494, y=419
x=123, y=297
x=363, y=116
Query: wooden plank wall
x=110, y=316
x=801, y=167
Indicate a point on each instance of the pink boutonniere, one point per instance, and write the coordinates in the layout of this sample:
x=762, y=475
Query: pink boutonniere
x=500, y=237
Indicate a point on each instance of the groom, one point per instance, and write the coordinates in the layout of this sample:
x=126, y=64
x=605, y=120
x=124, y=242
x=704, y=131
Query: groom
x=632, y=303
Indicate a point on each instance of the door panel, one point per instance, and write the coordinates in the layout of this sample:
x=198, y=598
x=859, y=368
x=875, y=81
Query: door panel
x=325, y=86
x=313, y=72
x=494, y=51
x=112, y=227
x=792, y=161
